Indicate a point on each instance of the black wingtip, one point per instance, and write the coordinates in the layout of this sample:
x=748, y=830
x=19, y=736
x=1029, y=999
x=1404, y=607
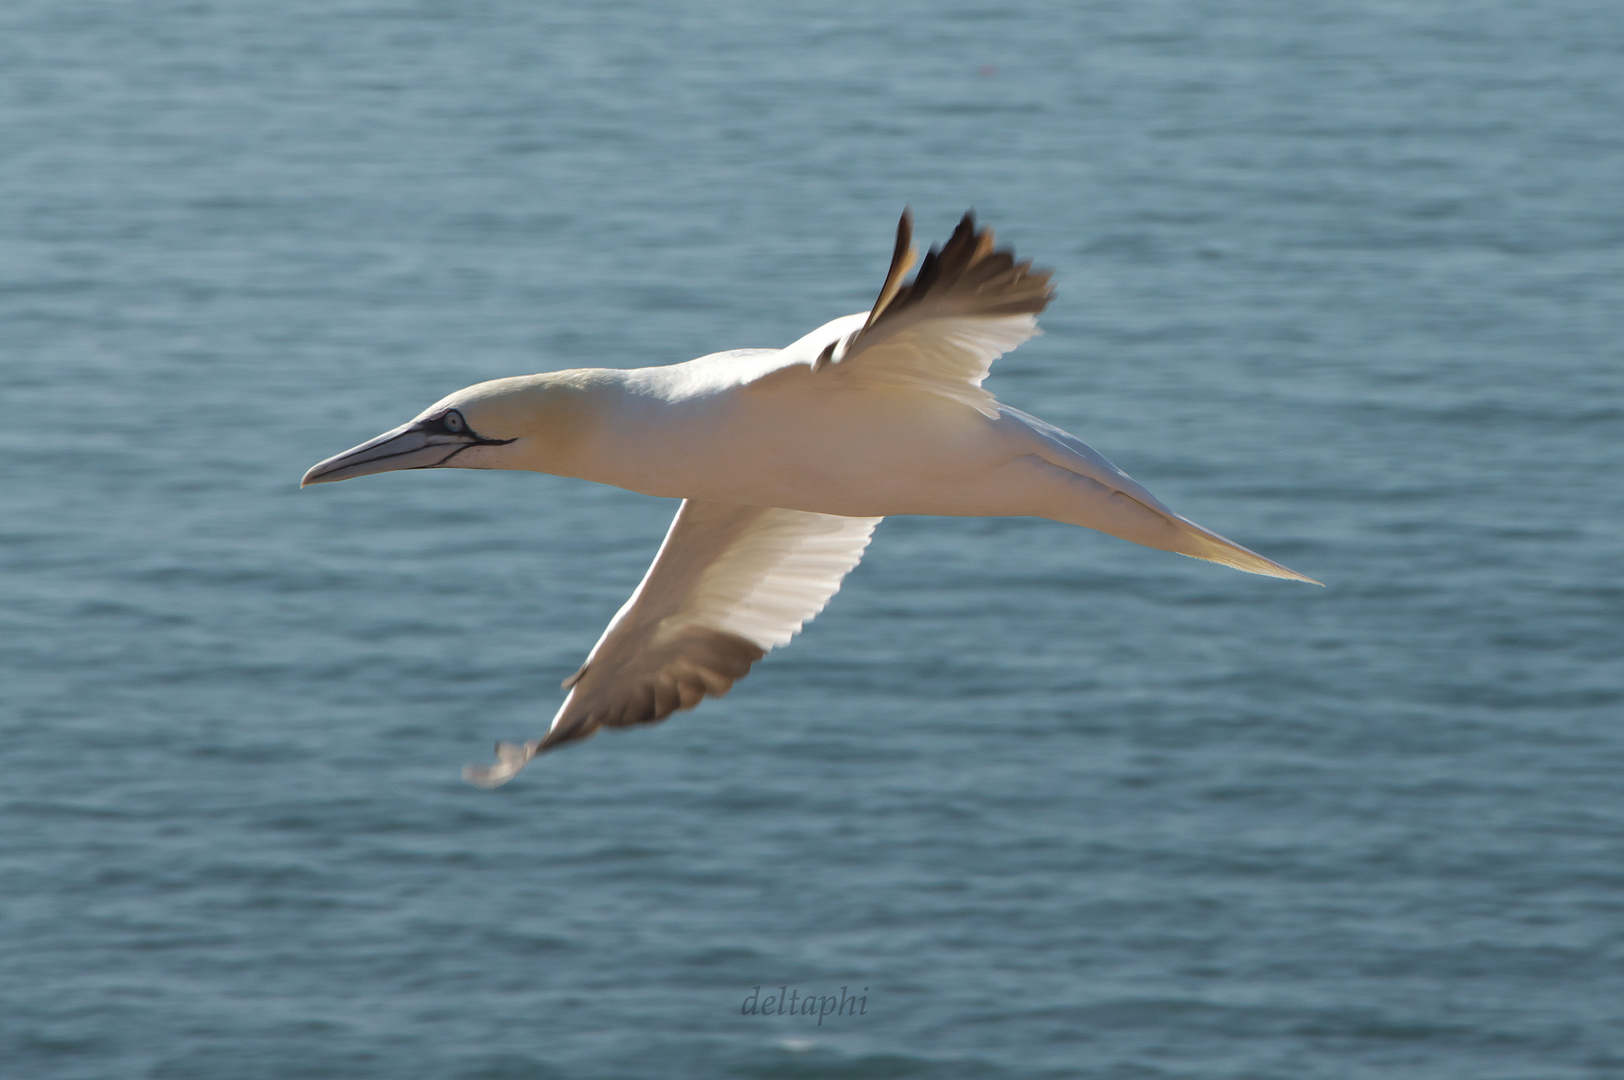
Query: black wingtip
x=986, y=278
x=904, y=235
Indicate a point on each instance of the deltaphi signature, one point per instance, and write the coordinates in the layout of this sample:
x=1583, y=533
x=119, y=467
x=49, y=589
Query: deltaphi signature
x=789, y=1001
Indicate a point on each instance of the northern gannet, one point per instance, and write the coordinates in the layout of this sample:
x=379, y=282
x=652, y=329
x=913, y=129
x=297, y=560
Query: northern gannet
x=786, y=460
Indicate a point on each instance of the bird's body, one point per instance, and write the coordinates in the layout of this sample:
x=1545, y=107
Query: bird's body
x=787, y=459
x=692, y=431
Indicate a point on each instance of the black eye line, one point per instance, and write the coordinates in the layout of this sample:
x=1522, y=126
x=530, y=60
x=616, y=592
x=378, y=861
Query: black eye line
x=467, y=432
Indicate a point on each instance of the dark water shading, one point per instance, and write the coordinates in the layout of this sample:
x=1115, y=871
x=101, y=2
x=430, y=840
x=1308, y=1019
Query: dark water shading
x=1344, y=282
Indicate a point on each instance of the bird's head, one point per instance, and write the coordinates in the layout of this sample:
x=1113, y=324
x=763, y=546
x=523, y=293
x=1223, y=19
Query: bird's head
x=533, y=422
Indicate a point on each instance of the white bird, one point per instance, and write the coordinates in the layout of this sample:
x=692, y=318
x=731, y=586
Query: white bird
x=786, y=460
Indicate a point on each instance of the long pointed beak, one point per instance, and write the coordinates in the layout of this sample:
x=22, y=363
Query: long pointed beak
x=406, y=447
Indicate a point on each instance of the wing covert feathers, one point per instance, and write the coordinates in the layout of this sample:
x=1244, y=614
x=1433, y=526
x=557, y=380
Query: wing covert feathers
x=970, y=303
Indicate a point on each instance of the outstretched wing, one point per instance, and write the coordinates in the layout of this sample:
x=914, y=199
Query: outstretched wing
x=969, y=304
x=729, y=584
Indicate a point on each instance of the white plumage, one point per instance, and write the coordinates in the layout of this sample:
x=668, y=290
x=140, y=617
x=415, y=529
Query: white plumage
x=786, y=461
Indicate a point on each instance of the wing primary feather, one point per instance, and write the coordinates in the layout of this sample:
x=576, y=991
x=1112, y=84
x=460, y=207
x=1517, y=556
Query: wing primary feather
x=903, y=256
x=729, y=584
x=968, y=304
x=972, y=278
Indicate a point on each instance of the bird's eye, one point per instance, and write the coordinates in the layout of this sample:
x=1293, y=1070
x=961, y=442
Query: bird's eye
x=453, y=422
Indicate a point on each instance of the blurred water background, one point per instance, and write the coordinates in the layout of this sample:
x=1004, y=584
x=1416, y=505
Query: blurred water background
x=1344, y=282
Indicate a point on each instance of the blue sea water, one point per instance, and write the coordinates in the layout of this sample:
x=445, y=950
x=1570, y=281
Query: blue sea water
x=1344, y=282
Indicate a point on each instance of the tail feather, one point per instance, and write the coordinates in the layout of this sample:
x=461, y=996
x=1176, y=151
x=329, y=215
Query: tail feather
x=1200, y=543
x=1127, y=517
x=1083, y=500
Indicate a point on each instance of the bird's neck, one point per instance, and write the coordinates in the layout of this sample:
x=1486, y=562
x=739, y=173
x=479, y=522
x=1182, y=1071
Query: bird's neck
x=563, y=413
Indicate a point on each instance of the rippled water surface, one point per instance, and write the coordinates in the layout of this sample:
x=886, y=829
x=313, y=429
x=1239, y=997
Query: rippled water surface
x=1344, y=282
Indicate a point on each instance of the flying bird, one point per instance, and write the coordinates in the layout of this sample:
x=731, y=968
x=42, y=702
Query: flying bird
x=786, y=460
